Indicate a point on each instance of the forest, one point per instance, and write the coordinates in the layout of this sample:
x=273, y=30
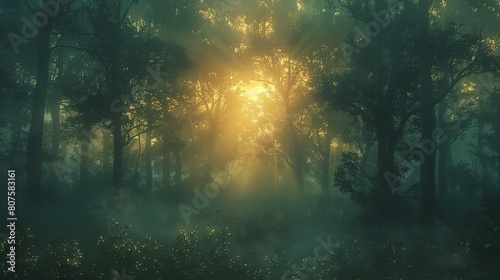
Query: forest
x=250, y=139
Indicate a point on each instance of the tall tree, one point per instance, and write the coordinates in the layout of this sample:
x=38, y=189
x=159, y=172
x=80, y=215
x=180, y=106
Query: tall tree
x=35, y=136
x=427, y=114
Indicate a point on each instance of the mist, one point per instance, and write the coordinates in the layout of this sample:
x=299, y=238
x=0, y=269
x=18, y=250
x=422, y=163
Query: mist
x=280, y=139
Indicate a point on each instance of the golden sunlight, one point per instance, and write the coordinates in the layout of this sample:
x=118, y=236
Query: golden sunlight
x=255, y=91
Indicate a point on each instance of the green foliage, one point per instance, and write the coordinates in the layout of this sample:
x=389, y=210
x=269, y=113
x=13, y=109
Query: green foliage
x=64, y=260
x=384, y=260
x=395, y=256
x=208, y=253
x=350, y=178
x=212, y=253
x=24, y=247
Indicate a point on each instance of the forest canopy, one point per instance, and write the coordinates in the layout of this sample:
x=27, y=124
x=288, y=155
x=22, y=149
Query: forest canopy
x=253, y=123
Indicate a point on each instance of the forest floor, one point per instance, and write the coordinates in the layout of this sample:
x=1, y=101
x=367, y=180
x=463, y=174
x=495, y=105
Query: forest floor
x=270, y=239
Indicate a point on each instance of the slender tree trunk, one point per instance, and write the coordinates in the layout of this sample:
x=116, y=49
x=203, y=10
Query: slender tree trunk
x=138, y=159
x=165, y=148
x=382, y=167
x=55, y=110
x=296, y=155
x=299, y=176
x=364, y=159
x=444, y=152
x=117, y=124
x=325, y=164
x=383, y=191
x=116, y=79
x=118, y=110
x=84, y=160
x=178, y=165
x=56, y=133
x=15, y=144
x=483, y=161
x=298, y=162
x=427, y=168
x=428, y=205
x=391, y=167
x=149, y=169
x=294, y=150
x=167, y=183
x=325, y=172
x=117, y=152
x=106, y=146
x=391, y=151
x=35, y=136
x=277, y=170
x=443, y=168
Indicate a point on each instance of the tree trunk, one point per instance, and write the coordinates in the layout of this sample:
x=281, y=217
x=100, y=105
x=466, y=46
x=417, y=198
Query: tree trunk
x=427, y=168
x=383, y=191
x=298, y=161
x=382, y=167
x=138, y=159
x=444, y=152
x=84, y=160
x=481, y=155
x=116, y=87
x=443, y=168
x=391, y=151
x=178, y=165
x=106, y=145
x=56, y=133
x=364, y=159
x=428, y=205
x=325, y=163
x=299, y=175
x=117, y=152
x=13, y=158
x=149, y=169
x=55, y=108
x=166, y=163
x=295, y=153
x=165, y=149
x=35, y=136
